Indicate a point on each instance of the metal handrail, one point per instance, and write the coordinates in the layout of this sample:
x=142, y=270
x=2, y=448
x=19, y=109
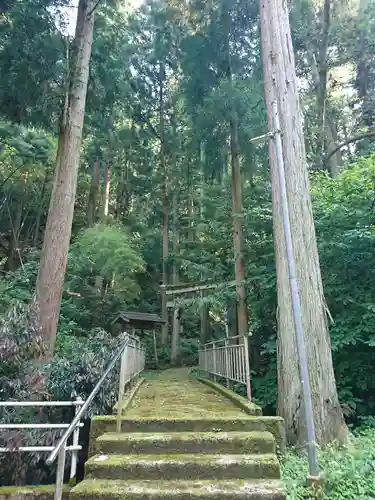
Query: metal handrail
x=228, y=361
x=61, y=443
x=73, y=449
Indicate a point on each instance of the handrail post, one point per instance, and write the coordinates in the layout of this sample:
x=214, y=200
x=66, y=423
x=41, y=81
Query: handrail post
x=247, y=366
x=121, y=388
x=205, y=359
x=214, y=360
x=73, y=465
x=226, y=362
x=63, y=439
x=60, y=473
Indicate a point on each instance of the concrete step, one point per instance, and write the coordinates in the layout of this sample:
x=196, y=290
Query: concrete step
x=186, y=442
x=104, y=424
x=183, y=467
x=107, y=423
x=96, y=489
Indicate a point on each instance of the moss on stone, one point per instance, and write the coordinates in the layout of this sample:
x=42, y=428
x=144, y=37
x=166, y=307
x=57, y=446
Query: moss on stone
x=128, y=398
x=183, y=467
x=187, y=442
x=239, y=401
x=179, y=490
x=43, y=492
x=172, y=395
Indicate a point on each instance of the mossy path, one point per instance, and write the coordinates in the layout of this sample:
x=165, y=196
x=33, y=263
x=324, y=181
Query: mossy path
x=182, y=439
x=173, y=394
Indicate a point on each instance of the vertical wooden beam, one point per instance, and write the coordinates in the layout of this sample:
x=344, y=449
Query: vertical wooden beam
x=155, y=348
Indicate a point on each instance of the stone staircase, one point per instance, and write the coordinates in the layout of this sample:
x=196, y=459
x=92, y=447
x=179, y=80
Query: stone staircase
x=164, y=455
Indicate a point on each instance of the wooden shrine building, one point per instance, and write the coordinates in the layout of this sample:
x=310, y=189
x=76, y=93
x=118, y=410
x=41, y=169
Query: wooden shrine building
x=133, y=321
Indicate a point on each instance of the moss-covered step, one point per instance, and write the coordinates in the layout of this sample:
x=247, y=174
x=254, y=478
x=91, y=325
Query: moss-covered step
x=183, y=467
x=239, y=401
x=104, y=424
x=187, y=442
x=178, y=490
x=43, y=492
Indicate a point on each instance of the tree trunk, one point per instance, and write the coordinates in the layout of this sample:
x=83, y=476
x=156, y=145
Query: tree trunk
x=47, y=180
x=60, y=216
x=14, y=252
x=237, y=211
x=106, y=193
x=122, y=201
x=163, y=168
x=321, y=84
x=335, y=161
x=204, y=309
x=175, y=278
x=363, y=78
x=237, y=201
x=93, y=194
x=280, y=84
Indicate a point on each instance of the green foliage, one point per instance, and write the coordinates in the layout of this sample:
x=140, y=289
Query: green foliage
x=74, y=371
x=111, y=253
x=20, y=379
x=349, y=470
x=187, y=355
x=78, y=365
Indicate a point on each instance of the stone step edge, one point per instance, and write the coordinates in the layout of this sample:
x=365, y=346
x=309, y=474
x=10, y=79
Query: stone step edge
x=238, y=401
x=147, y=459
x=252, y=489
x=187, y=436
x=107, y=423
x=189, y=466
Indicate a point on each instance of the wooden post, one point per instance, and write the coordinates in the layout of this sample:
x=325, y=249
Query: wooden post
x=155, y=349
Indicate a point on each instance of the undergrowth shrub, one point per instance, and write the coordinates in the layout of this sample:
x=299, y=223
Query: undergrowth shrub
x=349, y=470
x=76, y=367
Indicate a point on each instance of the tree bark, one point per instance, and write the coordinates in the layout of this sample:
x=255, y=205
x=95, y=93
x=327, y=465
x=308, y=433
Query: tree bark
x=163, y=168
x=106, y=193
x=237, y=201
x=327, y=131
x=364, y=66
x=47, y=180
x=175, y=276
x=204, y=309
x=60, y=216
x=93, y=194
x=237, y=210
x=280, y=84
x=14, y=252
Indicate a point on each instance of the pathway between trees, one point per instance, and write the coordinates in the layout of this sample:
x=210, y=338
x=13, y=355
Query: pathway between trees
x=183, y=439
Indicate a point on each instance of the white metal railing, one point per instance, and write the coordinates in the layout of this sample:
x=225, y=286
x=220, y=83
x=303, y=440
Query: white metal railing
x=73, y=448
x=132, y=353
x=227, y=358
x=133, y=361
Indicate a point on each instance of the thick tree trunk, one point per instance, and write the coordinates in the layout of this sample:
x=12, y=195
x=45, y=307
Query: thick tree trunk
x=280, y=84
x=93, y=194
x=60, y=216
